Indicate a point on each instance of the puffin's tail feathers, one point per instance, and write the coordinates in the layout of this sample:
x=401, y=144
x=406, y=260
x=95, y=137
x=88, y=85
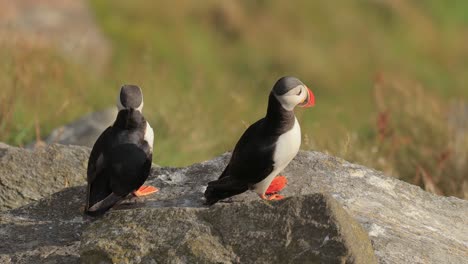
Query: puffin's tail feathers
x=104, y=205
x=210, y=196
x=221, y=189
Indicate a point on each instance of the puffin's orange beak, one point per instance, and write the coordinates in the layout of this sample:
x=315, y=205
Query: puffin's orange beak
x=310, y=100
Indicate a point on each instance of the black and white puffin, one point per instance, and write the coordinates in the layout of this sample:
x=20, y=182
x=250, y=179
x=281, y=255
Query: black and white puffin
x=121, y=158
x=266, y=147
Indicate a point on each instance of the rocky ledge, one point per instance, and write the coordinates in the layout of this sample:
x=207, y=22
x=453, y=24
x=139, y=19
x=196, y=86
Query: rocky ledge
x=336, y=212
x=29, y=175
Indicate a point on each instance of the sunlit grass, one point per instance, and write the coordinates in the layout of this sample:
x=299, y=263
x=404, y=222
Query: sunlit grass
x=40, y=87
x=417, y=137
x=206, y=68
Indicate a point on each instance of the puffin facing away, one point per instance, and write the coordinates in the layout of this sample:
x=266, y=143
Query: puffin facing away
x=266, y=147
x=121, y=158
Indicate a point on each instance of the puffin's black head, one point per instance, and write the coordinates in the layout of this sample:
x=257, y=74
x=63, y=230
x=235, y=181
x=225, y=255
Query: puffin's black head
x=291, y=92
x=130, y=97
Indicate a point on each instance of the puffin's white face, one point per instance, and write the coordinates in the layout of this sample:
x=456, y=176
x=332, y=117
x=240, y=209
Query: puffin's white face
x=296, y=96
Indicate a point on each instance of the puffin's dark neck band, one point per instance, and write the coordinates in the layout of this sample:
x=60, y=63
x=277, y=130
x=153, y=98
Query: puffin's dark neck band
x=277, y=118
x=129, y=119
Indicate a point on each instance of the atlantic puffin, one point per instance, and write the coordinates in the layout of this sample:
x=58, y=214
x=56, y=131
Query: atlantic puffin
x=121, y=158
x=266, y=147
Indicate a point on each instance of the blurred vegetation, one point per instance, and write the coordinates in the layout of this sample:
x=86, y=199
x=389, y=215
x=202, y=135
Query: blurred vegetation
x=385, y=75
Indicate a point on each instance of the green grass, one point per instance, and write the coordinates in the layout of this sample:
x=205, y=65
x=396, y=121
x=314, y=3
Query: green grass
x=40, y=87
x=206, y=68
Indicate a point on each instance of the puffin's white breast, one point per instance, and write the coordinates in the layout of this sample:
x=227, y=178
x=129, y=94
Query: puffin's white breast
x=149, y=135
x=287, y=146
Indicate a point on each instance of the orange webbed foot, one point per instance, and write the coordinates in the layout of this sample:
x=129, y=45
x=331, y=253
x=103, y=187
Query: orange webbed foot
x=145, y=190
x=277, y=185
x=274, y=197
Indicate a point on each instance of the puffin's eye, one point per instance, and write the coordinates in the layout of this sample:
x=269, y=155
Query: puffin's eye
x=299, y=92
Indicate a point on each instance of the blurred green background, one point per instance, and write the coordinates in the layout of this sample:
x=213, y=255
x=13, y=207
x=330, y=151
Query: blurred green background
x=390, y=79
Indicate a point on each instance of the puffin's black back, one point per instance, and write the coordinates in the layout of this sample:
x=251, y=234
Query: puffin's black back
x=125, y=160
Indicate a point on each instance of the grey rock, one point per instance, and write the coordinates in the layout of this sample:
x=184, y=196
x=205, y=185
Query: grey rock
x=405, y=223
x=29, y=175
x=84, y=131
x=47, y=231
x=305, y=229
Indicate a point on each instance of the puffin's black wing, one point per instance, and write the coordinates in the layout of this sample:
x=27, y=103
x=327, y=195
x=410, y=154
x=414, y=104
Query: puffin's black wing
x=96, y=163
x=252, y=158
x=93, y=165
x=127, y=168
x=131, y=165
x=225, y=172
x=251, y=162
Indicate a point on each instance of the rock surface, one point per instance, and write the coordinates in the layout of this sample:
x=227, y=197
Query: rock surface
x=306, y=229
x=3, y=145
x=404, y=223
x=84, y=131
x=29, y=175
x=47, y=231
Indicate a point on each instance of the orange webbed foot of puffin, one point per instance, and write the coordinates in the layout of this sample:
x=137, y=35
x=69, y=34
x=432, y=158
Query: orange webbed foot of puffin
x=277, y=185
x=145, y=190
x=274, y=197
